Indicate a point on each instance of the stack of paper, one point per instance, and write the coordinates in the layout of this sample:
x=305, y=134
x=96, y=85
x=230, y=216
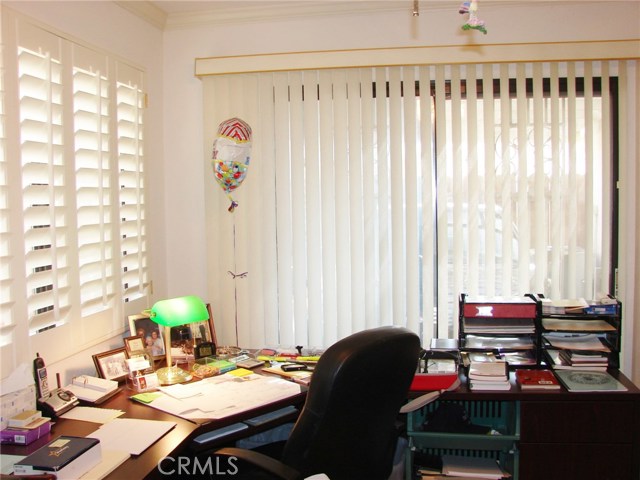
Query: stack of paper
x=92, y=389
x=471, y=467
x=489, y=376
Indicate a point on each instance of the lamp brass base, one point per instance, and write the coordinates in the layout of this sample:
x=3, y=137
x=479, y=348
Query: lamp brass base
x=172, y=375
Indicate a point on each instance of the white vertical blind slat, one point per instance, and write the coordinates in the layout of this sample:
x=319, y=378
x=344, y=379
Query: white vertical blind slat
x=541, y=124
x=370, y=252
x=266, y=268
x=298, y=217
x=523, y=210
x=589, y=211
x=456, y=180
x=396, y=205
x=284, y=226
x=383, y=200
x=329, y=192
x=556, y=222
x=428, y=207
x=502, y=274
x=411, y=201
x=572, y=204
x=446, y=329
x=490, y=153
x=313, y=211
x=608, y=189
x=342, y=207
x=472, y=180
x=356, y=159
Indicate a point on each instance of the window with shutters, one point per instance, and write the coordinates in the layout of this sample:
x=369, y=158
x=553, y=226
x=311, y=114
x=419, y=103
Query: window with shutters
x=72, y=228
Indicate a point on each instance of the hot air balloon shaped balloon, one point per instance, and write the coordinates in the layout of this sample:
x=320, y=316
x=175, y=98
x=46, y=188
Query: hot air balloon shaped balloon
x=231, y=156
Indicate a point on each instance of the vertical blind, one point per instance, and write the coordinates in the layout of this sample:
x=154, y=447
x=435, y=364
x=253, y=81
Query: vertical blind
x=72, y=214
x=375, y=196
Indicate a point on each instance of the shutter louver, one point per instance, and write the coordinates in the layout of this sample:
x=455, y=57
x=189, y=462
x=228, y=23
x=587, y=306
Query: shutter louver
x=43, y=179
x=130, y=116
x=93, y=189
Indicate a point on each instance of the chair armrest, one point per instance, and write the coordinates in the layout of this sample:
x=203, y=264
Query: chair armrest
x=262, y=461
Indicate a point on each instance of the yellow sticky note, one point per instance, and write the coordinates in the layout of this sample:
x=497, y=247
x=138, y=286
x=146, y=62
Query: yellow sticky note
x=240, y=372
x=146, y=397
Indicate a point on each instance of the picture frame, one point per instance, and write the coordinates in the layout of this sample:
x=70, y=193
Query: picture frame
x=141, y=325
x=112, y=364
x=134, y=343
x=194, y=333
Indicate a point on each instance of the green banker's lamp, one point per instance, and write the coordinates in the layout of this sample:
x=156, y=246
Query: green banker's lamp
x=176, y=312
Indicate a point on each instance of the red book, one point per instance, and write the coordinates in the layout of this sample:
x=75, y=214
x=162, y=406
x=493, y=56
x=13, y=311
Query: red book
x=537, y=379
x=425, y=382
x=499, y=307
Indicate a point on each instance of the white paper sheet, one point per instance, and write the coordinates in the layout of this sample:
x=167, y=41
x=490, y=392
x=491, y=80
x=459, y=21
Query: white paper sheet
x=92, y=414
x=131, y=435
x=226, y=395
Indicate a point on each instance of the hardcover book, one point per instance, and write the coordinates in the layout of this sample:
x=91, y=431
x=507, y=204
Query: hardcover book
x=589, y=381
x=499, y=307
x=67, y=457
x=530, y=379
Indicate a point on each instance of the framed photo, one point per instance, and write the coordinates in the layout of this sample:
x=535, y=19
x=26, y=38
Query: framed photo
x=142, y=326
x=111, y=365
x=193, y=334
x=134, y=344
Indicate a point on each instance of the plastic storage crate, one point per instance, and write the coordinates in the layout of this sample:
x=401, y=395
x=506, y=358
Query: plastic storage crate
x=502, y=417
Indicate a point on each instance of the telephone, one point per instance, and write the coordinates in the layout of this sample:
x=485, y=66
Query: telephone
x=52, y=402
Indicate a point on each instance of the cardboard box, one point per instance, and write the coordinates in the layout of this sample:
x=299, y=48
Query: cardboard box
x=21, y=436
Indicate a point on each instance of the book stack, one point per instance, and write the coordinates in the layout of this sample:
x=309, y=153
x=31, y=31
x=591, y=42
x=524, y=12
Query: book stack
x=575, y=360
x=67, y=457
x=585, y=360
x=489, y=375
x=530, y=379
x=25, y=428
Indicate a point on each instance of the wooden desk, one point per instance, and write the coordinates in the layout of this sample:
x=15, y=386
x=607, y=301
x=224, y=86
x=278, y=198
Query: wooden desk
x=558, y=435
x=176, y=442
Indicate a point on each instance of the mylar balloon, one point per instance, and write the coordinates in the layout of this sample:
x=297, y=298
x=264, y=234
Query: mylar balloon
x=231, y=155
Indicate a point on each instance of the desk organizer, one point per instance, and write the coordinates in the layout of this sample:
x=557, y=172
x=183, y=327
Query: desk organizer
x=141, y=376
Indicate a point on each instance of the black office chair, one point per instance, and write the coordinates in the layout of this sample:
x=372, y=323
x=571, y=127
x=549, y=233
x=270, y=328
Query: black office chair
x=347, y=428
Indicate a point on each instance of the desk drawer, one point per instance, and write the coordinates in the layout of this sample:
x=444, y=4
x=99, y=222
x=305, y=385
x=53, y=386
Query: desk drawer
x=576, y=461
x=610, y=422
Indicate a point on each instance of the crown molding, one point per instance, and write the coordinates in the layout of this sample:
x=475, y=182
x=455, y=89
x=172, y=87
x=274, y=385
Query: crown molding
x=270, y=11
x=232, y=12
x=147, y=11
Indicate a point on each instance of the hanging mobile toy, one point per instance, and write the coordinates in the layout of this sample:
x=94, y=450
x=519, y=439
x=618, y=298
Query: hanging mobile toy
x=473, y=22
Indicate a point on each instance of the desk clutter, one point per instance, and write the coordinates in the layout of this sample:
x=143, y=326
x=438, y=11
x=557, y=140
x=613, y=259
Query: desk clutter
x=498, y=335
x=25, y=428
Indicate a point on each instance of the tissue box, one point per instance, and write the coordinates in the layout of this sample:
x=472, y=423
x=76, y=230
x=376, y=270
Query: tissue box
x=16, y=436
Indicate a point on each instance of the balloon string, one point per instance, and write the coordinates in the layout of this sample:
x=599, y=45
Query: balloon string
x=235, y=287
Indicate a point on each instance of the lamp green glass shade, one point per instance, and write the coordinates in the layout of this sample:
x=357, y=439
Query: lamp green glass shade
x=173, y=313
x=179, y=311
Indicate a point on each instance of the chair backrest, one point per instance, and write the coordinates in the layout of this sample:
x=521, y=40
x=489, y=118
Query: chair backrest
x=347, y=428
